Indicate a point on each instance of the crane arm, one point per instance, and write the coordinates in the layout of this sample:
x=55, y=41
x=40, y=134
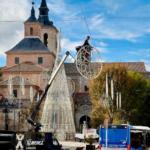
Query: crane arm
x=31, y=119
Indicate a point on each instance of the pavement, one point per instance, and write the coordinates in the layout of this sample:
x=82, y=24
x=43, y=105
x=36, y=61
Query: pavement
x=73, y=145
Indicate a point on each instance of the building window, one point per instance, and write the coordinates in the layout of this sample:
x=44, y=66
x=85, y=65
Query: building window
x=16, y=60
x=40, y=60
x=15, y=93
x=46, y=39
x=31, y=31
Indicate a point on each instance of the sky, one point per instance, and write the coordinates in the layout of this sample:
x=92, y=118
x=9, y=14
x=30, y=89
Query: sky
x=119, y=29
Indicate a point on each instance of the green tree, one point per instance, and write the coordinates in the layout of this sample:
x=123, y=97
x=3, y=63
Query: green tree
x=134, y=89
x=138, y=105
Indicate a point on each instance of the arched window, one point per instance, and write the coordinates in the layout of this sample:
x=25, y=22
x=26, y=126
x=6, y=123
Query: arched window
x=46, y=39
x=86, y=119
x=86, y=88
x=31, y=31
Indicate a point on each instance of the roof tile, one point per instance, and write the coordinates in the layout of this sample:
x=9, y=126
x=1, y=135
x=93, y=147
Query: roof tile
x=29, y=44
x=134, y=66
x=25, y=67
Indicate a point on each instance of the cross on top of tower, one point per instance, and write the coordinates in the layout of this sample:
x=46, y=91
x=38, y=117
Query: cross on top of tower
x=32, y=17
x=33, y=3
x=43, y=14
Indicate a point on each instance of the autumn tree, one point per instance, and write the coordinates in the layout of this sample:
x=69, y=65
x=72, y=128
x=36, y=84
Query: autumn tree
x=134, y=93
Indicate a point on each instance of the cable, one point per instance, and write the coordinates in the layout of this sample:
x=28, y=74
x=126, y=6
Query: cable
x=3, y=21
x=85, y=21
x=87, y=26
x=84, y=18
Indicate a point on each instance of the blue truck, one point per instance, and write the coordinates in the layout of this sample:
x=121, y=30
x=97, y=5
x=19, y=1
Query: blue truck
x=124, y=137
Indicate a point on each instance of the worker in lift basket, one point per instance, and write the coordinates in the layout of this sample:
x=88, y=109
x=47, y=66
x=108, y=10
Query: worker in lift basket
x=86, y=49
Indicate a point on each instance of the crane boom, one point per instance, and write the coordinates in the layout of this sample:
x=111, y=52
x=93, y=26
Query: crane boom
x=31, y=119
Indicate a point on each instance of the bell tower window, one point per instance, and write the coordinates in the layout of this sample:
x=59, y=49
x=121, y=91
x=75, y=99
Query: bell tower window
x=31, y=31
x=86, y=88
x=46, y=39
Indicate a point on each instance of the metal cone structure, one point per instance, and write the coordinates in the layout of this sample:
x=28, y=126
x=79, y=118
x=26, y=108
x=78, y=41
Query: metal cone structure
x=57, y=114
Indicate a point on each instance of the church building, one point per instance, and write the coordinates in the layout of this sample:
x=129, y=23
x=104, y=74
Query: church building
x=30, y=64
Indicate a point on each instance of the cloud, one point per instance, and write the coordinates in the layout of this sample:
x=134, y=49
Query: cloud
x=13, y=14
x=96, y=21
x=58, y=7
x=147, y=63
x=147, y=67
x=140, y=52
x=111, y=5
x=14, y=9
x=101, y=25
x=100, y=49
x=120, y=19
x=106, y=20
x=61, y=9
x=103, y=44
x=67, y=44
x=111, y=28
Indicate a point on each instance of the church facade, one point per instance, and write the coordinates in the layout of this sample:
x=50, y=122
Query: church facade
x=30, y=64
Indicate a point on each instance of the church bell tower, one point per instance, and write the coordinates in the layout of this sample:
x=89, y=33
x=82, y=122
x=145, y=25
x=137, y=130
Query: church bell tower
x=31, y=25
x=48, y=30
x=42, y=27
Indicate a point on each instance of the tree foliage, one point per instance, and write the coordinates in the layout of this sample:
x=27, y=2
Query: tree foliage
x=138, y=108
x=135, y=93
